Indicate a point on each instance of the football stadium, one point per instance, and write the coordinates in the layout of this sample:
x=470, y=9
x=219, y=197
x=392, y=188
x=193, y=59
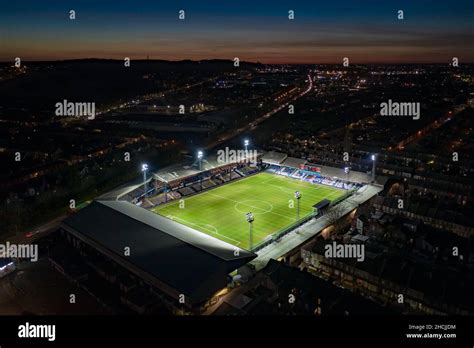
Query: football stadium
x=187, y=232
x=221, y=211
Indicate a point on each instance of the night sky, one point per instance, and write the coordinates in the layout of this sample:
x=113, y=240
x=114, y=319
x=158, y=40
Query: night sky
x=257, y=30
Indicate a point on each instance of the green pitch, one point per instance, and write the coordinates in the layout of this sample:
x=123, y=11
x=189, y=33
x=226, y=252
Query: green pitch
x=220, y=212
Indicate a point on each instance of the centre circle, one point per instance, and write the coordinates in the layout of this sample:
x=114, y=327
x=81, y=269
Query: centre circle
x=253, y=205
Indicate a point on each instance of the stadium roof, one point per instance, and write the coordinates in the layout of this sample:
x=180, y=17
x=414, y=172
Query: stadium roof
x=168, y=174
x=293, y=162
x=183, y=170
x=5, y=261
x=161, y=250
x=332, y=172
x=274, y=157
x=124, y=189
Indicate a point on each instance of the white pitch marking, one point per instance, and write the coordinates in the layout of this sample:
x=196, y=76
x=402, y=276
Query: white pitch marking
x=202, y=226
x=251, y=206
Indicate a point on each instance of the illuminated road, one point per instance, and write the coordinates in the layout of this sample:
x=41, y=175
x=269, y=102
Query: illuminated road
x=253, y=124
x=53, y=224
x=147, y=97
x=33, y=234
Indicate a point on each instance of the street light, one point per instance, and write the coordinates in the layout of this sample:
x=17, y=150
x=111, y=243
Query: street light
x=144, y=170
x=250, y=218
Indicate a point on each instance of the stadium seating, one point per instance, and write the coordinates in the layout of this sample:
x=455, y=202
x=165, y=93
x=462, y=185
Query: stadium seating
x=207, y=180
x=159, y=199
x=173, y=195
x=273, y=168
x=218, y=179
x=207, y=184
x=185, y=191
x=307, y=176
x=287, y=171
x=196, y=187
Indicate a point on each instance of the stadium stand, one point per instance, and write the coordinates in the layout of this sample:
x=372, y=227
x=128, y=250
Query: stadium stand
x=173, y=195
x=293, y=162
x=185, y=191
x=218, y=179
x=235, y=175
x=196, y=187
x=247, y=170
x=273, y=157
x=286, y=171
x=207, y=184
x=273, y=168
x=186, y=181
x=313, y=177
x=169, y=258
x=159, y=199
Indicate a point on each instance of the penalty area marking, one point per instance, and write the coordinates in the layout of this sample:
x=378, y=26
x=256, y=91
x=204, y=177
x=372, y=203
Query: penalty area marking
x=313, y=195
x=203, y=226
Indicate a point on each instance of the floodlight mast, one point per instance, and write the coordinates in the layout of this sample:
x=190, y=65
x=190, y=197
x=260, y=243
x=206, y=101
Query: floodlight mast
x=144, y=170
x=346, y=171
x=298, y=197
x=246, y=144
x=250, y=219
x=374, y=158
x=200, y=154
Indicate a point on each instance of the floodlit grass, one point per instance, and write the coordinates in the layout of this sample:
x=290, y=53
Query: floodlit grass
x=220, y=212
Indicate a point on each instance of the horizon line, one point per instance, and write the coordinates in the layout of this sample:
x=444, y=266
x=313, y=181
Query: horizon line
x=225, y=60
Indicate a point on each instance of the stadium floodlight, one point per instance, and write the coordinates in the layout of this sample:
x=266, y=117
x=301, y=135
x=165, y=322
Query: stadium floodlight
x=144, y=170
x=373, y=167
x=250, y=219
x=246, y=144
x=200, y=155
x=346, y=170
